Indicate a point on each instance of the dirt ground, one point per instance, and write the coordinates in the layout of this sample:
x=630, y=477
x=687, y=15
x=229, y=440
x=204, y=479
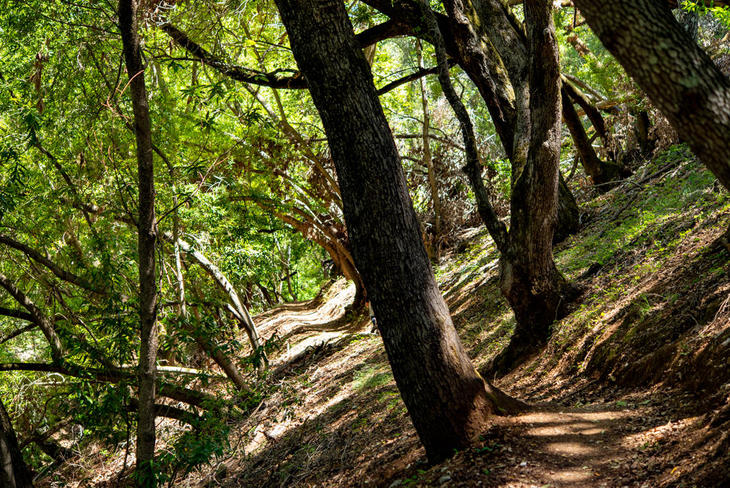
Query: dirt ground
x=633, y=389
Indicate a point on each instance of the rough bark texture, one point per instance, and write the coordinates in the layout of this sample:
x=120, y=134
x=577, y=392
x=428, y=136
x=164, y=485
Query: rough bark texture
x=13, y=471
x=530, y=281
x=676, y=74
x=529, y=278
x=446, y=398
x=483, y=64
x=147, y=236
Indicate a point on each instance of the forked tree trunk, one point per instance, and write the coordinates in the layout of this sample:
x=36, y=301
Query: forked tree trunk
x=529, y=278
x=13, y=471
x=447, y=400
x=676, y=74
x=147, y=237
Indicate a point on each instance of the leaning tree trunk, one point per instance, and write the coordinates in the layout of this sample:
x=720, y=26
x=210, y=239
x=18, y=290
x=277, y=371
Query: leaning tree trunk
x=676, y=74
x=447, y=400
x=147, y=236
x=13, y=471
x=604, y=174
x=237, y=308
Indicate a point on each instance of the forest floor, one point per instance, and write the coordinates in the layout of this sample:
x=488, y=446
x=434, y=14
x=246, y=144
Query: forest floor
x=633, y=389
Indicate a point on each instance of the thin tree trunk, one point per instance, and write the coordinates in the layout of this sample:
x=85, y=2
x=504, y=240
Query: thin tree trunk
x=642, y=126
x=568, y=213
x=601, y=172
x=593, y=114
x=147, y=233
x=427, y=157
x=13, y=471
x=238, y=309
x=222, y=360
x=676, y=74
x=496, y=228
x=447, y=400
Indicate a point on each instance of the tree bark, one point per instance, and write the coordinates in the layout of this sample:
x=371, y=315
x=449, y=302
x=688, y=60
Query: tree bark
x=446, y=399
x=603, y=173
x=13, y=471
x=147, y=237
x=676, y=74
x=239, y=309
x=473, y=167
x=529, y=278
x=489, y=44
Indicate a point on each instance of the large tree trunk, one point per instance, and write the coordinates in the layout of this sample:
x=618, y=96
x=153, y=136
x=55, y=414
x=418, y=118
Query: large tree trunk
x=147, y=236
x=447, y=400
x=13, y=471
x=676, y=74
x=529, y=278
x=503, y=85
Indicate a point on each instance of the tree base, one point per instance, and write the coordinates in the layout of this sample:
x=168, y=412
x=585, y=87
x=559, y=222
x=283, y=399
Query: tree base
x=534, y=315
x=517, y=352
x=610, y=176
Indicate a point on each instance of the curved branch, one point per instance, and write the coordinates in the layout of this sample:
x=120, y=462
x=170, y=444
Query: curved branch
x=15, y=313
x=37, y=316
x=289, y=79
x=174, y=392
x=52, y=267
x=17, y=332
x=418, y=74
x=241, y=312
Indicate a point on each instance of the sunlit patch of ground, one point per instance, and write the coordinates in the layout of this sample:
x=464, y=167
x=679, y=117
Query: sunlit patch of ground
x=613, y=410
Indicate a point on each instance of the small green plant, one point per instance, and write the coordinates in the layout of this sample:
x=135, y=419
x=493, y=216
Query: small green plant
x=368, y=377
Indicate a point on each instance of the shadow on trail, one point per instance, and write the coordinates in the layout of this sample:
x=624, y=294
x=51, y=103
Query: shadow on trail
x=359, y=437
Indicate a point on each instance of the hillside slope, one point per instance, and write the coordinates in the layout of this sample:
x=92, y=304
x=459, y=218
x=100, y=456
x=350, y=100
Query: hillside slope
x=633, y=389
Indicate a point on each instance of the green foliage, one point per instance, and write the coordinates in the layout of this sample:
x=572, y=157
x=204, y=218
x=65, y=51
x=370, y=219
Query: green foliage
x=193, y=448
x=702, y=7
